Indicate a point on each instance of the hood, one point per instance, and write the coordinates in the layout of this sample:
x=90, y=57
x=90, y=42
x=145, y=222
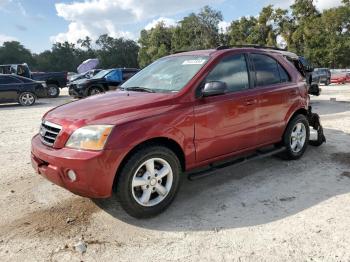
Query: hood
x=109, y=108
x=79, y=81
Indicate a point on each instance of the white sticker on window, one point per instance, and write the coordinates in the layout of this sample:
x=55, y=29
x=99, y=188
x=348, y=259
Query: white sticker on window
x=194, y=62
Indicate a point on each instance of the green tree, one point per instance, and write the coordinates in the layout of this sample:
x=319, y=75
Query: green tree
x=154, y=43
x=15, y=52
x=116, y=52
x=198, y=31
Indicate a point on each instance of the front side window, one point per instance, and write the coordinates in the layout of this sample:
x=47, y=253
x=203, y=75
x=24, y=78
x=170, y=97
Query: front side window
x=169, y=74
x=233, y=71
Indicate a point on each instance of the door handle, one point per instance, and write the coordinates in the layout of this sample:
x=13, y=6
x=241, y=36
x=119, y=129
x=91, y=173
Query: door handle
x=250, y=102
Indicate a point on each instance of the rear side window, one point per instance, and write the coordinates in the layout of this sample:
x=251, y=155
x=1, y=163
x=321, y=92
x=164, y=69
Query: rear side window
x=268, y=71
x=233, y=71
x=283, y=74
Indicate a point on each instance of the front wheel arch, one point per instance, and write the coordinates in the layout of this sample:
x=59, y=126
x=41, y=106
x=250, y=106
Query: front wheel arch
x=95, y=87
x=160, y=141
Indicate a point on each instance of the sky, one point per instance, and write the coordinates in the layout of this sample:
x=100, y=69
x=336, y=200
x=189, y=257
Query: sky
x=37, y=24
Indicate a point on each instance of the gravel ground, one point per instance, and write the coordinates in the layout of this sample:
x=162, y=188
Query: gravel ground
x=268, y=210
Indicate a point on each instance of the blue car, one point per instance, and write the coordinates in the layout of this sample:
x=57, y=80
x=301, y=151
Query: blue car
x=103, y=81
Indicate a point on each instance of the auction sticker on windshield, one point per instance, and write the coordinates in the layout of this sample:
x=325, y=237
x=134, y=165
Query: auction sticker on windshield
x=194, y=62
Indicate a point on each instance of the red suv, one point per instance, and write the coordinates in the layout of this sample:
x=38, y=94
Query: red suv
x=182, y=112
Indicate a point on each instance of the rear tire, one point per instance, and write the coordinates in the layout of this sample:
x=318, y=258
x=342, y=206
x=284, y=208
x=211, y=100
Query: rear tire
x=26, y=99
x=144, y=193
x=53, y=91
x=296, y=138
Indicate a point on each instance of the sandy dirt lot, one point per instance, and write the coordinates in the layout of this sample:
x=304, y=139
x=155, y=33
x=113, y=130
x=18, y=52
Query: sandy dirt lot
x=268, y=210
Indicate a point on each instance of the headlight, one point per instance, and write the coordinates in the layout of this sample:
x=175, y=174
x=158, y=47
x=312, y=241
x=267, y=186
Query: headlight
x=89, y=137
x=80, y=86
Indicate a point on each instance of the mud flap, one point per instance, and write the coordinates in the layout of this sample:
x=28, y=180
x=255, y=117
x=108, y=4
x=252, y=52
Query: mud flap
x=314, y=121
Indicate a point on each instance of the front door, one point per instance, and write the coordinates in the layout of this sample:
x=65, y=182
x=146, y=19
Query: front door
x=225, y=124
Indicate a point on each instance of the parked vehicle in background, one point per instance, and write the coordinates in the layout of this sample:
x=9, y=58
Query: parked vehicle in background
x=184, y=111
x=347, y=77
x=54, y=80
x=322, y=75
x=339, y=78
x=87, y=75
x=19, y=89
x=103, y=81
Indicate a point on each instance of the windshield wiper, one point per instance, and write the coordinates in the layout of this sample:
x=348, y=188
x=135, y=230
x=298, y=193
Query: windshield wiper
x=139, y=89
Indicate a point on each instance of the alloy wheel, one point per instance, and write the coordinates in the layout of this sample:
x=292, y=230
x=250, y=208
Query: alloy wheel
x=95, y=91
x=152, y=182
x=298, y=137
x=27, y=99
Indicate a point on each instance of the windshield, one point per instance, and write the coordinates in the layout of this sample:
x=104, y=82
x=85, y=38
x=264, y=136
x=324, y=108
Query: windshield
x=169, y=74
x=101, y=74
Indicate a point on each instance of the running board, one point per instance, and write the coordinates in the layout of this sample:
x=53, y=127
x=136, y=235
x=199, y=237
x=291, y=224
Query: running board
x=234, y=162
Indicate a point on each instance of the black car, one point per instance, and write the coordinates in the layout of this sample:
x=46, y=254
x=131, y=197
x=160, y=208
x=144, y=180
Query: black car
x=53, y=80
x=322, y=75
x=19, y=89
x=104, y=81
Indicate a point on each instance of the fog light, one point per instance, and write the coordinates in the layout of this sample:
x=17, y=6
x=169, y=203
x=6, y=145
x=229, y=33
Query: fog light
x=71, y=175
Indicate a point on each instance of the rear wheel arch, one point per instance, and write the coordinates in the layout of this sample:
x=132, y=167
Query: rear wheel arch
x=158, y=141
x=300, y=111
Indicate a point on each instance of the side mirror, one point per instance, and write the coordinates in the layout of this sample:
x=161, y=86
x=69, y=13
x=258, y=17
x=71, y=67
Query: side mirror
x=214, y=88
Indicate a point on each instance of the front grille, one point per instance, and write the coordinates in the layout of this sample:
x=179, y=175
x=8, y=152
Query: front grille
x=49, y=132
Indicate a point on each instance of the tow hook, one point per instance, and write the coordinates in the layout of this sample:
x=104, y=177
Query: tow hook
x=314, y=121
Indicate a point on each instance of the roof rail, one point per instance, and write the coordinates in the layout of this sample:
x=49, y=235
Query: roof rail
x=222, y=47
x=183, y=50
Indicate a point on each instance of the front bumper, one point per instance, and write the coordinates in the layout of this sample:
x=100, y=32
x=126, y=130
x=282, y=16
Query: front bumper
x=75, y=92
x=95, y=170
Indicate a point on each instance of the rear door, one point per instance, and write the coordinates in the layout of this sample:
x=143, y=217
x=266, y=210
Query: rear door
x=276, y=95
x=225, y=124
x=9, y=88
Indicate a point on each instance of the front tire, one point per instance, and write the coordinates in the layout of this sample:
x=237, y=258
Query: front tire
x=149, y=181
x=95, y=91
x=296, y=138
x=26, y=99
